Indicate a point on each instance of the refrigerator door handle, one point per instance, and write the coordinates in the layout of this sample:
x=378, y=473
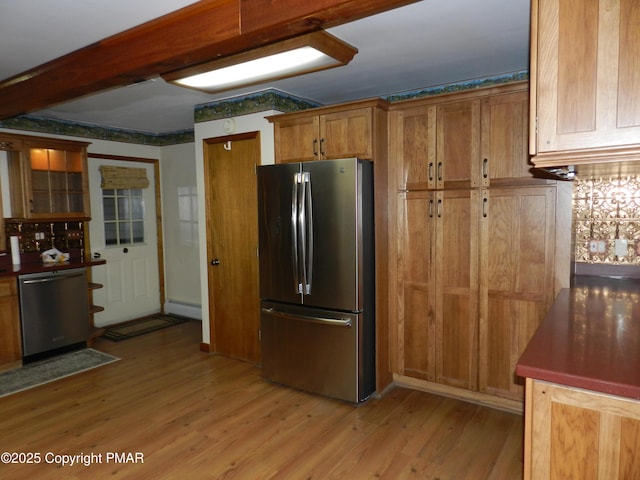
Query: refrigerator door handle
x=302, y=227
x=294, y=233
x=307, y=239
x=336, y=322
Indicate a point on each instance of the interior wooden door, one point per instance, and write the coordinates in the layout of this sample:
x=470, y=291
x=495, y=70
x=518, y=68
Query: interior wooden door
x=416, y=300
x=456, y=286
x=517, y=251
x=232, y=245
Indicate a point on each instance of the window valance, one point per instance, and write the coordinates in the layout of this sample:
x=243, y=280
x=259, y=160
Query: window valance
x=123, y=178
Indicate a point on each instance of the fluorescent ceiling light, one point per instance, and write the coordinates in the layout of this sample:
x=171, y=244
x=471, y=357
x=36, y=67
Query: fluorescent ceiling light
x=296, y=56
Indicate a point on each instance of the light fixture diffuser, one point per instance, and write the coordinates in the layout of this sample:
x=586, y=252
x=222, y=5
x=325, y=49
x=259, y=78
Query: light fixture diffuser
x=304, y=54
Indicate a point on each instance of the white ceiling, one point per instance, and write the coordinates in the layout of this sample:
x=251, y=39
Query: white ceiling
x=429, y=43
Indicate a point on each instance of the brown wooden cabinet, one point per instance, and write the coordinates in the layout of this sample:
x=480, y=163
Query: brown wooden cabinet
x=456, y=282
x=48, y=180
x=477, y=141
x=585, y=81
x=416, y=284
x=574, y=433
x=475, y=241
x=328, y=133
x=10, y=337
x=438, y=285
x=517, y=248
x=504, y=130
x=457, y=145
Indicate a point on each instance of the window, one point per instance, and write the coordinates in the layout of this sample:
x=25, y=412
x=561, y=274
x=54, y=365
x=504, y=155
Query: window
x=123, y=216
x=188, y=215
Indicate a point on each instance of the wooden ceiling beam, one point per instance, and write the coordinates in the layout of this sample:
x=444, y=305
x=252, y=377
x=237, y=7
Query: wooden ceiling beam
x=192, y=35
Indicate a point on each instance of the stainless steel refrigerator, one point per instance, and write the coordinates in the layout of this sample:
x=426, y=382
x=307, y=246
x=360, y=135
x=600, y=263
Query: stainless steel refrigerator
x=317, y=282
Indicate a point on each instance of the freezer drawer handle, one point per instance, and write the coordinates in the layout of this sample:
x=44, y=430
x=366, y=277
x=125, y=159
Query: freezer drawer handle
x=338, y=322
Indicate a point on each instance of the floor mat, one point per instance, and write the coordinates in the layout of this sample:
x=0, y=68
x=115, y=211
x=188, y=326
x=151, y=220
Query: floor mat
x=51, y=369
x=123, y=331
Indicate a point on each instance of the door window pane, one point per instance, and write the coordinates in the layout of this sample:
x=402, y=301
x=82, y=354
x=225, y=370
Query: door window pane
x=123, y=212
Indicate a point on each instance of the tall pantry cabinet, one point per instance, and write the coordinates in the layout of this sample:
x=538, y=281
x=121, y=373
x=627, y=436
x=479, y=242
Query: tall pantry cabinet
x=475, y=241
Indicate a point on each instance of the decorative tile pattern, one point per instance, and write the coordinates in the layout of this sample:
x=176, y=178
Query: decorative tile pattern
x=270, y=99
x=64, y=236
x=258, y=102
x=33, y=123
x=459, y=86
x=606, y=209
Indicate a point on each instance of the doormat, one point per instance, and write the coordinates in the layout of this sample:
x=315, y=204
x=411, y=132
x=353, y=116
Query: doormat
x=117, y=333
x=51, y=369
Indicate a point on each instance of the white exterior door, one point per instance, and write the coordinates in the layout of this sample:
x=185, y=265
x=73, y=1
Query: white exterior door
x=123, y=232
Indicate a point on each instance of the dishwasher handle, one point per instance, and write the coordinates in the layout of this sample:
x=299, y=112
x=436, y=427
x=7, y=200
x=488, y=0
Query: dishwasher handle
x=337, y=322
x=52, y=278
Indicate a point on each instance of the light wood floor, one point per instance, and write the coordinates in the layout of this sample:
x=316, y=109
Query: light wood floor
x=196, y=416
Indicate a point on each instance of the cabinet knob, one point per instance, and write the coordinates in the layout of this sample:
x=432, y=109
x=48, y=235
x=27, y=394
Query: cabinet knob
x=215, y=262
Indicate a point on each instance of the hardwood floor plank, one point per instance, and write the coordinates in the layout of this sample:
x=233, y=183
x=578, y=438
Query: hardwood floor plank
x=199, y=416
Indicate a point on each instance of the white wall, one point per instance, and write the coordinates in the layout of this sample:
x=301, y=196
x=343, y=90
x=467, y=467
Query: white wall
x=205, y=130
x=180, y=225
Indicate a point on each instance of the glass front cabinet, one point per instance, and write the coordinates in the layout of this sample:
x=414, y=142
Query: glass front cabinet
x=48, y=180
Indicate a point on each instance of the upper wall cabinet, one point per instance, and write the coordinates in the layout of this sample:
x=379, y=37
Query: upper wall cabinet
x=48, y=179
x=585, y=81
x=468, y=140
x=326, y=133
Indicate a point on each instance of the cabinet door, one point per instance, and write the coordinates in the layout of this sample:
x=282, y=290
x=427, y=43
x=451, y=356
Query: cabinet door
x=347, y=134
x=415, y=147
x=296, y=140
x=10, y=339
x=516, y=268
x=456, y=287
x=586, y=73
x=416, y=287
x=573, y=433
x=505, y=126
x=458, y=144
x=49, y=180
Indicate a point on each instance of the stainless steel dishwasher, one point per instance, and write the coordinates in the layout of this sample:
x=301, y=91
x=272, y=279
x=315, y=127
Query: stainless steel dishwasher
x=54, y=312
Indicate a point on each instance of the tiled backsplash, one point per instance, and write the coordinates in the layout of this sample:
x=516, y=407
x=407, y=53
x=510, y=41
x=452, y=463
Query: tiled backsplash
x=38, y=237
x=606, y=220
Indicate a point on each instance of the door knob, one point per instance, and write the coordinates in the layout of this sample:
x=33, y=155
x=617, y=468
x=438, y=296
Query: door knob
x=215, y=262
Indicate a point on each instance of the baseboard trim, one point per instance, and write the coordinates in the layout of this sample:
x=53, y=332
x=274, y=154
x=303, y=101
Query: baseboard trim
x=183, y=310
x=512, y=406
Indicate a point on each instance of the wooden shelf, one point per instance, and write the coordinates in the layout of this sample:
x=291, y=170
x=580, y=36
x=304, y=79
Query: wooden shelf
x=95, y=308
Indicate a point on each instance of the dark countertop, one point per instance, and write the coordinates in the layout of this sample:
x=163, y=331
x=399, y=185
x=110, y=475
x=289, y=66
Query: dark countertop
x=9, y=270
x=590, y=338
